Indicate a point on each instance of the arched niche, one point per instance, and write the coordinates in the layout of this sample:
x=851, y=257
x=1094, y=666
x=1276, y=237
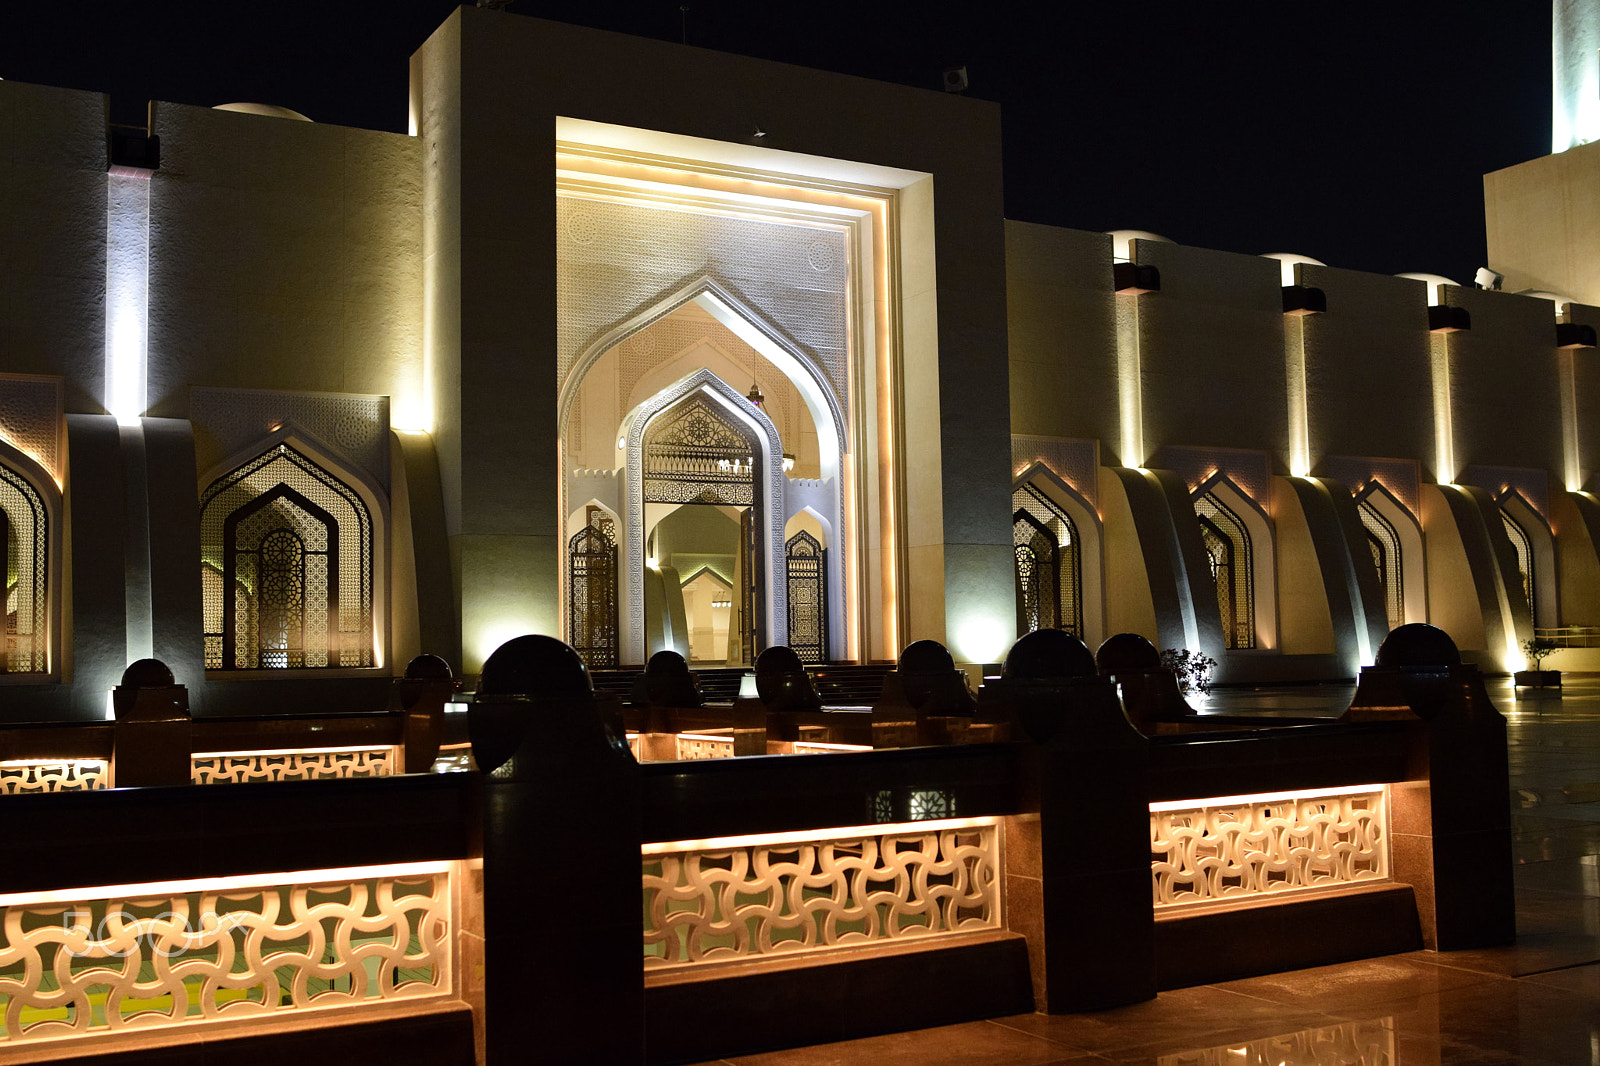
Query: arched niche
x=1535, y=546
x=1070, y=504
x=768, y=486
x=1242, y=522
x=30, y=532
x=290, y=471
x=1384, y=517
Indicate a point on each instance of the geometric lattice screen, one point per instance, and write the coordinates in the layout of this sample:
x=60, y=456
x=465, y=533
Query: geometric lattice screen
x=1227, y=545
x=24, y=530
x=1524, y=550
x=1049, y=567
x=286, y=567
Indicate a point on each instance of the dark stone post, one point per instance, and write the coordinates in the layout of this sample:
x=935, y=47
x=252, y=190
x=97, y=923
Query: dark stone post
x=1078, y=858
x=421, y=695
x=924, y=701
x=563, y=968
x=1450, y=823
x=151, y=740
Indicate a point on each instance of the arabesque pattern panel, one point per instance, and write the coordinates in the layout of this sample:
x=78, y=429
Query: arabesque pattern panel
x=159, y=956
x=308, y=764
x=26, y=776
x=1243, y=849
x=784, y=895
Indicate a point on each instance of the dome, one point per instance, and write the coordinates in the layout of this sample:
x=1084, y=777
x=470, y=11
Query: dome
x=1435, y=283
x=1287, y=261
x=1418, y=644
x=1120, y=239
x=270, y=110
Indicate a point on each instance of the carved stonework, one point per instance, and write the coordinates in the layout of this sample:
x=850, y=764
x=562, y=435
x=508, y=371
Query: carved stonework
x=227, y=420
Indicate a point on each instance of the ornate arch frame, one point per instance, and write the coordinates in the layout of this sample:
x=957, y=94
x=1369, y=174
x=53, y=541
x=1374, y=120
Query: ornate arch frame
x=1413, y=560
x=1263, y=555
x=37, y=478
x=365, y=485
x=770, y=486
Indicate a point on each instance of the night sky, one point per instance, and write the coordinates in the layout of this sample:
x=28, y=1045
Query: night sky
x=1354, y=133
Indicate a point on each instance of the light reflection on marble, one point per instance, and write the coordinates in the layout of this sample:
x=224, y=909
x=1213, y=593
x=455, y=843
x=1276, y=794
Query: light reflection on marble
x=1368, y=1043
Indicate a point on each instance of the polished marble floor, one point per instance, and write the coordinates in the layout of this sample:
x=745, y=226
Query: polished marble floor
x=1537, y=1002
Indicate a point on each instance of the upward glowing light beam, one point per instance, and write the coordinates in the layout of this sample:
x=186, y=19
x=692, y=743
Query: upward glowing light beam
x=127, y=295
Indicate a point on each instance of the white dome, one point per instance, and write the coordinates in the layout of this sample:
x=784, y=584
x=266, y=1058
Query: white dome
x=1288, y=261
x=272, y=110
x=1120, y=239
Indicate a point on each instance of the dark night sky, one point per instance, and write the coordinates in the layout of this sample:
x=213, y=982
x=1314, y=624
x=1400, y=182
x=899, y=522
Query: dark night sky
x=1355, y=133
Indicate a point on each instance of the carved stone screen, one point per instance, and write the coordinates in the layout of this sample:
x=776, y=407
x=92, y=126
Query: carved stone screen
x=24, y=531
x=1049, y=567
x=592, y=595
x=808, y=597
x=286, y=567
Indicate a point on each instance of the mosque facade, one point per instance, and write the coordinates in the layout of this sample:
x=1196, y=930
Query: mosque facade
x=598, y=351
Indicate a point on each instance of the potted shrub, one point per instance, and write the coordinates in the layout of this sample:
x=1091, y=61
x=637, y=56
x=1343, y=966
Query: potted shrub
x=1536, y=649
x=1191, y=668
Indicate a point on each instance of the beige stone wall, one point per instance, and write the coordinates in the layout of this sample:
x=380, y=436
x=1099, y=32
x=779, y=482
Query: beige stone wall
x=1211, y=351
x=1369, y=353
x=1061, y=321
x=1542, y=218
x=284, y=255
x=53, y=236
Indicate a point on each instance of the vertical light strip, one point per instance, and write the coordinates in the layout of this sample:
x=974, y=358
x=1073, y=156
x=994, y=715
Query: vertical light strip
x=127, y=293
x=1443, y=425
x=1566, y=372
x=1130, y=392
x=1294, y=357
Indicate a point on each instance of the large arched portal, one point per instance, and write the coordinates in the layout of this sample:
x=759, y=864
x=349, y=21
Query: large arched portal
x=679, y=417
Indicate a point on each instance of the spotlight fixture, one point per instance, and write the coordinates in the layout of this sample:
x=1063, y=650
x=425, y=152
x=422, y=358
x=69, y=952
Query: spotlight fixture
x=1134, y=280
x=1488, y=279
x=1574, y=335
x=955, y=80
x=1442, y=319
x=1304, y=300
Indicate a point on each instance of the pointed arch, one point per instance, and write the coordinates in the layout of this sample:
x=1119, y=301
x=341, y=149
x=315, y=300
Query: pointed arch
x=768, y=495
x=292, y=571
x=1534, y=545
x=1391, y=527
x=30, y=504
x=1076, y=526
x=749, y=326
x=1237, y=536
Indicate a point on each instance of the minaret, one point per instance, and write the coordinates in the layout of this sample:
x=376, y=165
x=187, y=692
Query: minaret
x=1575, y=56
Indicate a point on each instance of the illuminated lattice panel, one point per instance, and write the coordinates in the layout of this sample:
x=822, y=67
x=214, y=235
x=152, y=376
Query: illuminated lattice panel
x=722, y=900
x=24, y=776
x=704, y=746
x=1246, y=847
x=293, y=764
x=83, y=963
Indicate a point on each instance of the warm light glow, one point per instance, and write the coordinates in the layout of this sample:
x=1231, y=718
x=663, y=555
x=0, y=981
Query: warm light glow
x=1130, y=396
x=820, y=747
x=747, y=687
x=493, y=634
x=409, y=414
x=1514, y=659
x=1443, y=422
x=807, y=835
x=653, y=563
x=127, y=295
x=162, y=889
x=272, y=752
x=1294, y=356
x=982, y=640
x=1265, y=797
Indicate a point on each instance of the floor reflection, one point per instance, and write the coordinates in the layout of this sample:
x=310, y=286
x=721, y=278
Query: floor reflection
x=1369, y=1043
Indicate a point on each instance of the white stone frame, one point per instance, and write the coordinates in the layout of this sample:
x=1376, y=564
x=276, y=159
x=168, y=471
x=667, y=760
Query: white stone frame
x=1544, y=612
x=364, y=484
x=1091, y=577
x=770, y=488
x=1263, y=557
x=1413, y=557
